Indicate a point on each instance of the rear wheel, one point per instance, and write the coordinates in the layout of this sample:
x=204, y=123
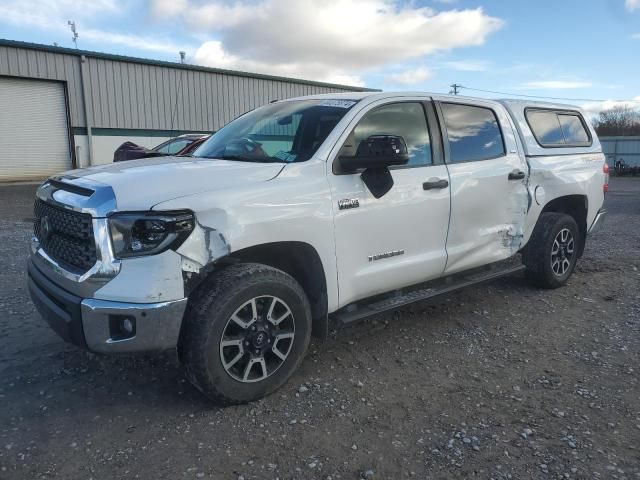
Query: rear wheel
x=552, y=251
x=246, y=332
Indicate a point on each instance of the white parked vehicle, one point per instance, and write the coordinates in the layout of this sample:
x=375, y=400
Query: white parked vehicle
x=333, y=206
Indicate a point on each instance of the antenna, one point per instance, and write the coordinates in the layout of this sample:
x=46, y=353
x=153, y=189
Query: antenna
x=72, y=26
x=182, y=54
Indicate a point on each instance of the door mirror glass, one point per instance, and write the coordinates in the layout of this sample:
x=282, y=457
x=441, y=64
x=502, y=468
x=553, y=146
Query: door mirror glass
x=377, y=151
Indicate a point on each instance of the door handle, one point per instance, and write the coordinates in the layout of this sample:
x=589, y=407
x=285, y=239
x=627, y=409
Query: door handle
x=516, y=175
x=435, y=184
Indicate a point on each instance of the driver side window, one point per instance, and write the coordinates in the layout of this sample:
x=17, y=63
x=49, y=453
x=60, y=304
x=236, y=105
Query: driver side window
x=407, y=120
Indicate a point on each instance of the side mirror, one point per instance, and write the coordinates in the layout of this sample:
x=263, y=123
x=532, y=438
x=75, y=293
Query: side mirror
x=377, y=151
x=375, y=155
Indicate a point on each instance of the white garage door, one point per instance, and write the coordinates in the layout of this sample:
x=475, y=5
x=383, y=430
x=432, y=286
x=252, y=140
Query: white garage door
x=34, y=141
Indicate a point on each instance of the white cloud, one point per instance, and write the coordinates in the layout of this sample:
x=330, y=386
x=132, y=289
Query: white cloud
x=594, y=108
x=555, y=85
x=324, y=39
x=167, y=8
x=213, y=54
x=467, y=65
x=632, y=5
x=408, y=77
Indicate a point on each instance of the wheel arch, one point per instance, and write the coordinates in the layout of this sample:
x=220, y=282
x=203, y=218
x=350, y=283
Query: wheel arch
x=576, y=206
x=300, y=260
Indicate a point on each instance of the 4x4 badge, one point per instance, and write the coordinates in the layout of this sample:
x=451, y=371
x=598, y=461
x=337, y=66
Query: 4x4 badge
x=347, y=203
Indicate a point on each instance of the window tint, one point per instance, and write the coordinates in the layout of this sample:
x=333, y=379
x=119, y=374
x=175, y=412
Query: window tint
x=546, y=127
x=407, y=120
x=557, y=129
x=573, y=129
x=274, y=137
x=474, y=133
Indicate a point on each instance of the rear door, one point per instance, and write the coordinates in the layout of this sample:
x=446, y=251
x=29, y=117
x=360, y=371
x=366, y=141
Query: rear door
x=488, y=176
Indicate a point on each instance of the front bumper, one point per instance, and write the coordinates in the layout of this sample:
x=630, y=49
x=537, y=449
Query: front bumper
x=95, y=324
x=598, y=221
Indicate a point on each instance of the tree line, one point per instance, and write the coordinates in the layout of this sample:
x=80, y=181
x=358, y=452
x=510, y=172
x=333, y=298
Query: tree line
x=621, y=120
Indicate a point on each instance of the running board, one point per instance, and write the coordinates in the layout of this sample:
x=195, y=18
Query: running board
x=383, y=303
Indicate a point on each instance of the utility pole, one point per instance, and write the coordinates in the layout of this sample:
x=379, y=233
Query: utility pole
x=454, y=89
x=72, y=26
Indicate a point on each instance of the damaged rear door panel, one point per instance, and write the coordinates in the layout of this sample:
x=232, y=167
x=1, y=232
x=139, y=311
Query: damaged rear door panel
x=488, y=176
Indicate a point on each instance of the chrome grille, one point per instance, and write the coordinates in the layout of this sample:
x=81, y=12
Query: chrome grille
x=65, y=235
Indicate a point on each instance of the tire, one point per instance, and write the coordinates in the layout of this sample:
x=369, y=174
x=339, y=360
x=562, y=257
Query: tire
x=549, y=259
x=230, y=324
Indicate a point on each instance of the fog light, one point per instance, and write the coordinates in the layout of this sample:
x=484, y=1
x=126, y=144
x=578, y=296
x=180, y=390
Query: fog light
x=122, y=327
x=127, y=325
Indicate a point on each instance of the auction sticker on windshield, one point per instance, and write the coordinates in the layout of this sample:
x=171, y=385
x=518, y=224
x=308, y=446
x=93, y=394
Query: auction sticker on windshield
x=338, y=103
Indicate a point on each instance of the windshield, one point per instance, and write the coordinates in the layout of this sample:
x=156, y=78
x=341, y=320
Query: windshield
x=283, y=132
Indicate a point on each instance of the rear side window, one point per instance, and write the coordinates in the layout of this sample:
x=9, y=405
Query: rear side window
x=558, y=129
x=474, y=133
x=546, y=127
x=573, y=129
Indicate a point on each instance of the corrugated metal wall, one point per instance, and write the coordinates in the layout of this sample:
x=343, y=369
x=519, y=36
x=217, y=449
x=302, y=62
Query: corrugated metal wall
x=126, y=94
x=621, y=148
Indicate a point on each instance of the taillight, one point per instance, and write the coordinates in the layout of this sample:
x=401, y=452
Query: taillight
x=605, y=170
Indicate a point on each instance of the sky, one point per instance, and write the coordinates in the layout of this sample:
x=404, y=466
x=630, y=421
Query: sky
x=587, y=50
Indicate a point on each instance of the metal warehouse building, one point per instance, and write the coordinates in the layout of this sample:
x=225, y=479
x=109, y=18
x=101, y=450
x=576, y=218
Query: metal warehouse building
x=625, y=149
x=63, y=108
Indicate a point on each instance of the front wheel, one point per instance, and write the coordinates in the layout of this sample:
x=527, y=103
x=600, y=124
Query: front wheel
x=246, y=331
x=552, y=251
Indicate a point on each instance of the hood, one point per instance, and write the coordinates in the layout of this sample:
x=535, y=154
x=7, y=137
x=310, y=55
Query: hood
x=141, y=184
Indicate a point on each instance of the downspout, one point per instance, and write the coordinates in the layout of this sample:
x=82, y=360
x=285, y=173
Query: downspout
x=87, y=110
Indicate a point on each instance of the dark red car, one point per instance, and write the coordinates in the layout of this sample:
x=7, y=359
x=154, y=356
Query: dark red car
x=179, y=146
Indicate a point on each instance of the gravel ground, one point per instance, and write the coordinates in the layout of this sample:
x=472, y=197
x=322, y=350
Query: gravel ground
x=497, y=381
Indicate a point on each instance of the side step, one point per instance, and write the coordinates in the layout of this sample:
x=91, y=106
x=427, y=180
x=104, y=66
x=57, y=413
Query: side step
x=383, y=303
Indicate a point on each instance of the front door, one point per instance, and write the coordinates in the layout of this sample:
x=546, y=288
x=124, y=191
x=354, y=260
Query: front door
x=399, y=239
x=489, y=198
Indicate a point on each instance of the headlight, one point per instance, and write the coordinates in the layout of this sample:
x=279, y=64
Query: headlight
x=146, y=233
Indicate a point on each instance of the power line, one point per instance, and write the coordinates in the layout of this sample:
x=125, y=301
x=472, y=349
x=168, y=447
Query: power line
x=548, y=98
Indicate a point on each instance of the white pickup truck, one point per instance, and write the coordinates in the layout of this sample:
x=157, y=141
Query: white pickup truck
x=326, y=207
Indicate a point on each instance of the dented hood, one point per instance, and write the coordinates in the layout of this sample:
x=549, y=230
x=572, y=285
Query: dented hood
x=141, y=184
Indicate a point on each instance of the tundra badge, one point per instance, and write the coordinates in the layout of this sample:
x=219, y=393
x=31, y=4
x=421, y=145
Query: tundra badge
x=380, y=256
x=347, y=203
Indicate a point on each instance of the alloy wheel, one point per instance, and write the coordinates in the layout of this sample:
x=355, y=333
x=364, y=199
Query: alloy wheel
x=562, y=252
x=257, y=339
